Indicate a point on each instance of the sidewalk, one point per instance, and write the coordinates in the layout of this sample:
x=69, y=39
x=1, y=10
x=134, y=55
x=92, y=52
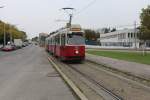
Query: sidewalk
x=136, y=69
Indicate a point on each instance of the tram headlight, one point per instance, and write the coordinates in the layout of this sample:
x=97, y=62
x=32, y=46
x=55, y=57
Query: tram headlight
x=77, y=52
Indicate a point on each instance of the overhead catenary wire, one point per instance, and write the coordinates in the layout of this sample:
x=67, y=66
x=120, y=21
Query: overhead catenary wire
x=92, y=2
x=54, y=22
x=85, y=7
x=70, y=3
x=59, y=20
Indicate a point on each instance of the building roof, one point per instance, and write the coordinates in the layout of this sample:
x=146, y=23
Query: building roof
x=119, y=32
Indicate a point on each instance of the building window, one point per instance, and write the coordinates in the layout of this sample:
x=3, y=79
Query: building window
x=131, y=35
x=128, y=35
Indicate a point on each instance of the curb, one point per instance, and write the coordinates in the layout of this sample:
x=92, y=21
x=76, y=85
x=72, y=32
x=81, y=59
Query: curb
x=69, y=82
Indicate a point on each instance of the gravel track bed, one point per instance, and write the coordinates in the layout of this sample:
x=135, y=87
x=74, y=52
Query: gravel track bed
x=77, y=79
x=138, y=78
x=125, y=88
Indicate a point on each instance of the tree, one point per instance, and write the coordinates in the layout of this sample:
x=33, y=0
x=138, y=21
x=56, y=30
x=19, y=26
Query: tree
x=23, y=35
x=145, y=25
x=90, y=35
x=113, y=30
x=35, y=39
x=106, y=30
x=10, y=29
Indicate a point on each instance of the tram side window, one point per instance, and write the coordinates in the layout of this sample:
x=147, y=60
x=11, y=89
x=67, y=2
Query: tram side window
x=50, y=41
x=53, y=41
x=63, y=39
x=57, y=39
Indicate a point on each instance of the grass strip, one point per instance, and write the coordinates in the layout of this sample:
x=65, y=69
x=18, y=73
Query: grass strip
x=128, y=56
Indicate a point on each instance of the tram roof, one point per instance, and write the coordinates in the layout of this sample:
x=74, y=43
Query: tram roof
x=74, y=27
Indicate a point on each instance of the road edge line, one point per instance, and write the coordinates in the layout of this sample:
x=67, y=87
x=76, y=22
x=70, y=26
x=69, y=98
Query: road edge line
x=69, y=82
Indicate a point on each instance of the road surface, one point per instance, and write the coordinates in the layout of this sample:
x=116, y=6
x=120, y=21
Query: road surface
x=26, y=74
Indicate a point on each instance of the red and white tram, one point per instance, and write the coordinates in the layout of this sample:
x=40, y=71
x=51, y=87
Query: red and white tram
x=67, y=44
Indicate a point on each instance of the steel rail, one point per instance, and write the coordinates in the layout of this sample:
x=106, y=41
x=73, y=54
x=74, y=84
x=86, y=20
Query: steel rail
x=67, y=80
x=116, y=97
x=90, y=79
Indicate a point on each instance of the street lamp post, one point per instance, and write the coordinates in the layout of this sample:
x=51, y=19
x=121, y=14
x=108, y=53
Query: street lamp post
x=135, y=35
x=4, y=30
x=4, y=35
x=10, y=34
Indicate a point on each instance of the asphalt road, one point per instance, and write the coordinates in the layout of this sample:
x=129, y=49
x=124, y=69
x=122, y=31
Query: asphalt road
x=26, y=74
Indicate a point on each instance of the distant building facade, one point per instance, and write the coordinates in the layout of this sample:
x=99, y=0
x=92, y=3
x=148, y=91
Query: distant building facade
x=120, y=38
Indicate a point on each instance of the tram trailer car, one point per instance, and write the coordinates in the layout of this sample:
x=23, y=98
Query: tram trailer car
x=67, y=44
x=42, y=37
x=47, y=44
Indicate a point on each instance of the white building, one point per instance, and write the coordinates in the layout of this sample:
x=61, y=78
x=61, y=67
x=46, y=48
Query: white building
x=120, y=38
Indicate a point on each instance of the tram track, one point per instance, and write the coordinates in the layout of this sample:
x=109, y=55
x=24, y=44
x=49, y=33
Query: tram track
x=102, y=91
x=134, y=77
x=98, y=84
x=118, y=73
x=76, y=79
x=108, y=86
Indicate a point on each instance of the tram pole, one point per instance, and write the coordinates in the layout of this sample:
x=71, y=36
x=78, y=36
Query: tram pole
x=70, y=15
x=70, y=21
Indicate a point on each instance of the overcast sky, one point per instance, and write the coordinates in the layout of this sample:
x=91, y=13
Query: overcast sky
x=35, y=16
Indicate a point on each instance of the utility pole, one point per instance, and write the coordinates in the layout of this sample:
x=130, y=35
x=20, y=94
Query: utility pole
x=4, y=35
x=4, y=30
x=135, y=34
x=10, y=34
x=70, y=15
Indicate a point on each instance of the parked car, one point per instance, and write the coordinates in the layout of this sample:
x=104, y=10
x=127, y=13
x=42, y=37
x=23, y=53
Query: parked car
x=23, y=45
x=7, y=48
x=36, y=43
x=14, y=47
